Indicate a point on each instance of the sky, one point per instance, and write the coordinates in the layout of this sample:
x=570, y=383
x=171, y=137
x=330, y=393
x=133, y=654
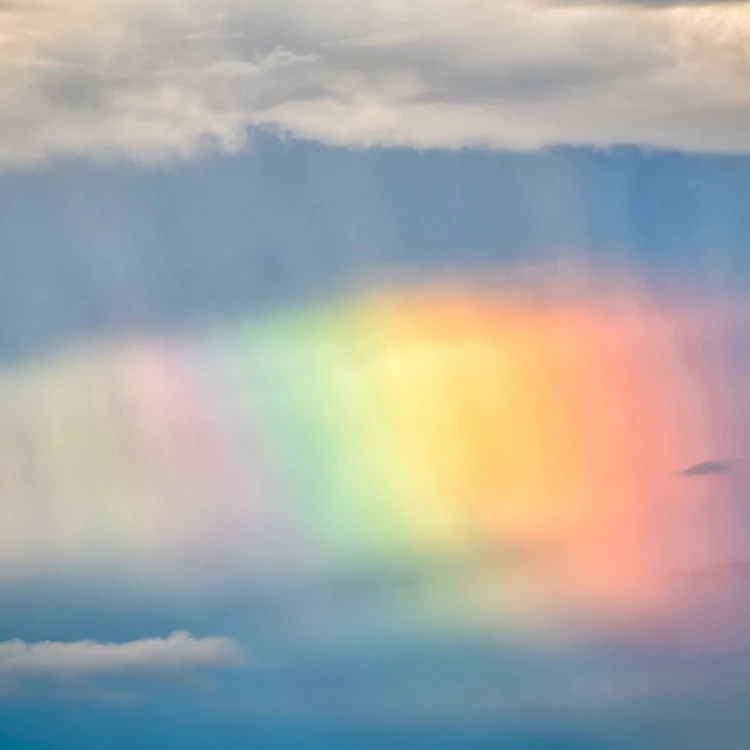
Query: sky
x=374, y=374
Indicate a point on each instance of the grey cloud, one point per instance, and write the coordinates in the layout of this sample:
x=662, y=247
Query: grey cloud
x=180, y=651
x=707, y=468
x=149, y=80
x=658, y=4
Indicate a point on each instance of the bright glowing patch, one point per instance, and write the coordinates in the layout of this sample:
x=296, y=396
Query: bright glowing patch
x=538, y=442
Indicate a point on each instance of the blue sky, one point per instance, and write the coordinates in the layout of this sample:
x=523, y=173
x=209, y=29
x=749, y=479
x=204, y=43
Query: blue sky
x=170, y=169
x=123, y=246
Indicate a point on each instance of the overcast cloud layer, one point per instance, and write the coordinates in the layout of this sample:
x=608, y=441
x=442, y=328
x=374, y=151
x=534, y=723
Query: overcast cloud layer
x=179, y=651
x=149, y=79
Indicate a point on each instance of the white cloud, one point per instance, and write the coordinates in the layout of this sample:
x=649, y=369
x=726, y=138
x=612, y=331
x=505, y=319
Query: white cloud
x=149, y=79
x=180, y=651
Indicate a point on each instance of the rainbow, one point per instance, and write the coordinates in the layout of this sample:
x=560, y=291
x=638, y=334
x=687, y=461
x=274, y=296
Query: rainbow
x=402, y=427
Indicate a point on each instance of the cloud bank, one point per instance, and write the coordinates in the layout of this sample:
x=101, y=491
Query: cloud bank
x=180, y=651
x=155, y=79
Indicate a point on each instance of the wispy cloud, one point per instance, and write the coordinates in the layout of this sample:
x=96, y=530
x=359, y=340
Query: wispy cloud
x=707, y=468
x=180, y=651
x=149, y=79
